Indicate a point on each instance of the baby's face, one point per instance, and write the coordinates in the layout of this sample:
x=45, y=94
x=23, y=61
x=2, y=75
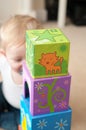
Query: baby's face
x=15, y=55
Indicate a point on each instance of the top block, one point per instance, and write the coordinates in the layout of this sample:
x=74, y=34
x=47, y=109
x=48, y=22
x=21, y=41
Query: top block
x=47, y=52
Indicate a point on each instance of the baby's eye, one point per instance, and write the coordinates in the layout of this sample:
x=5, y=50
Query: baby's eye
x=18, y=60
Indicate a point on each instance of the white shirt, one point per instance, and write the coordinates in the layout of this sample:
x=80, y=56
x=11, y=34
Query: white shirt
x=12, y=92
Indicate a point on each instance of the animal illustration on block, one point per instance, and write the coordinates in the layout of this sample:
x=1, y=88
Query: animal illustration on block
x=47, y=53
x=49, y=60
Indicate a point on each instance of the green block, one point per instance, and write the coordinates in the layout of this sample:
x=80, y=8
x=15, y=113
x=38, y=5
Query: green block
x=47, y=52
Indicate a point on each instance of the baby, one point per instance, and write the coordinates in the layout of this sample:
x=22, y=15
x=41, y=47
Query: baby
x=12, y=53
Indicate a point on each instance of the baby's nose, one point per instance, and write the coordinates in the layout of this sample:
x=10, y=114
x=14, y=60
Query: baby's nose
x=20, y=67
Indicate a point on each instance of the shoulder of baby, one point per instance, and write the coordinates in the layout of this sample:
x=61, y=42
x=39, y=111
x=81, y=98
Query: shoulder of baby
x=3, y=61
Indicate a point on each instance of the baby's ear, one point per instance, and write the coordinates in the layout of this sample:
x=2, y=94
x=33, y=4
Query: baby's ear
x=2, y=52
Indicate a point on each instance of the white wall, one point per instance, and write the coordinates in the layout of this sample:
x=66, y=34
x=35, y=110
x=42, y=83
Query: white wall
x=11, y=7
x=7, y=8
x=39, y=4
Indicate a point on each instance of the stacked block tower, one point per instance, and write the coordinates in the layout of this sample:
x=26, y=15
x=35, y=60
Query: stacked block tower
x=46, y=81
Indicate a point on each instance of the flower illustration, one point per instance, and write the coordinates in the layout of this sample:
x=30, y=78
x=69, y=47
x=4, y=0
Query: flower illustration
x=63, y=104
x=41, y=124
x=36, y=101
x=39, y=85
x=43, y=95
x=61, y=125
x=66, y=82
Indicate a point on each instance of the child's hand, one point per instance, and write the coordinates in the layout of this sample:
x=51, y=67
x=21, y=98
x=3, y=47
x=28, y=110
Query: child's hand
x=1, y=129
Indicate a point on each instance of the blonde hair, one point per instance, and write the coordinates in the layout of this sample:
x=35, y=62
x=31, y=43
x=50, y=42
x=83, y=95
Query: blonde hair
x=13, y=31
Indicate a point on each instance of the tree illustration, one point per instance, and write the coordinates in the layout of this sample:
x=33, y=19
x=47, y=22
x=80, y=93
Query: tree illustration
x=52, y=93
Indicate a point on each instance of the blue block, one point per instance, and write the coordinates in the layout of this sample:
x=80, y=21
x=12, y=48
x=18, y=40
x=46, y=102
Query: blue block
x=52, y=121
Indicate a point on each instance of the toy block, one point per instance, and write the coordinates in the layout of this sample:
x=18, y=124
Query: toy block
x=47, y=52
x=52, y=121
x=47, y=95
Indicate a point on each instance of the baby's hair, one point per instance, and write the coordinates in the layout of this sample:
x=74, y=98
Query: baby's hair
x=13, y=30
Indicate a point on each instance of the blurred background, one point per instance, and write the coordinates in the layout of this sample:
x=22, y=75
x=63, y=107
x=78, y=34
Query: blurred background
x=70, y=16
x=45, y=10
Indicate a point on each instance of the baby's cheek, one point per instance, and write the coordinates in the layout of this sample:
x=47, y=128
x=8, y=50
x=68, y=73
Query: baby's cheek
x=15, y=66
